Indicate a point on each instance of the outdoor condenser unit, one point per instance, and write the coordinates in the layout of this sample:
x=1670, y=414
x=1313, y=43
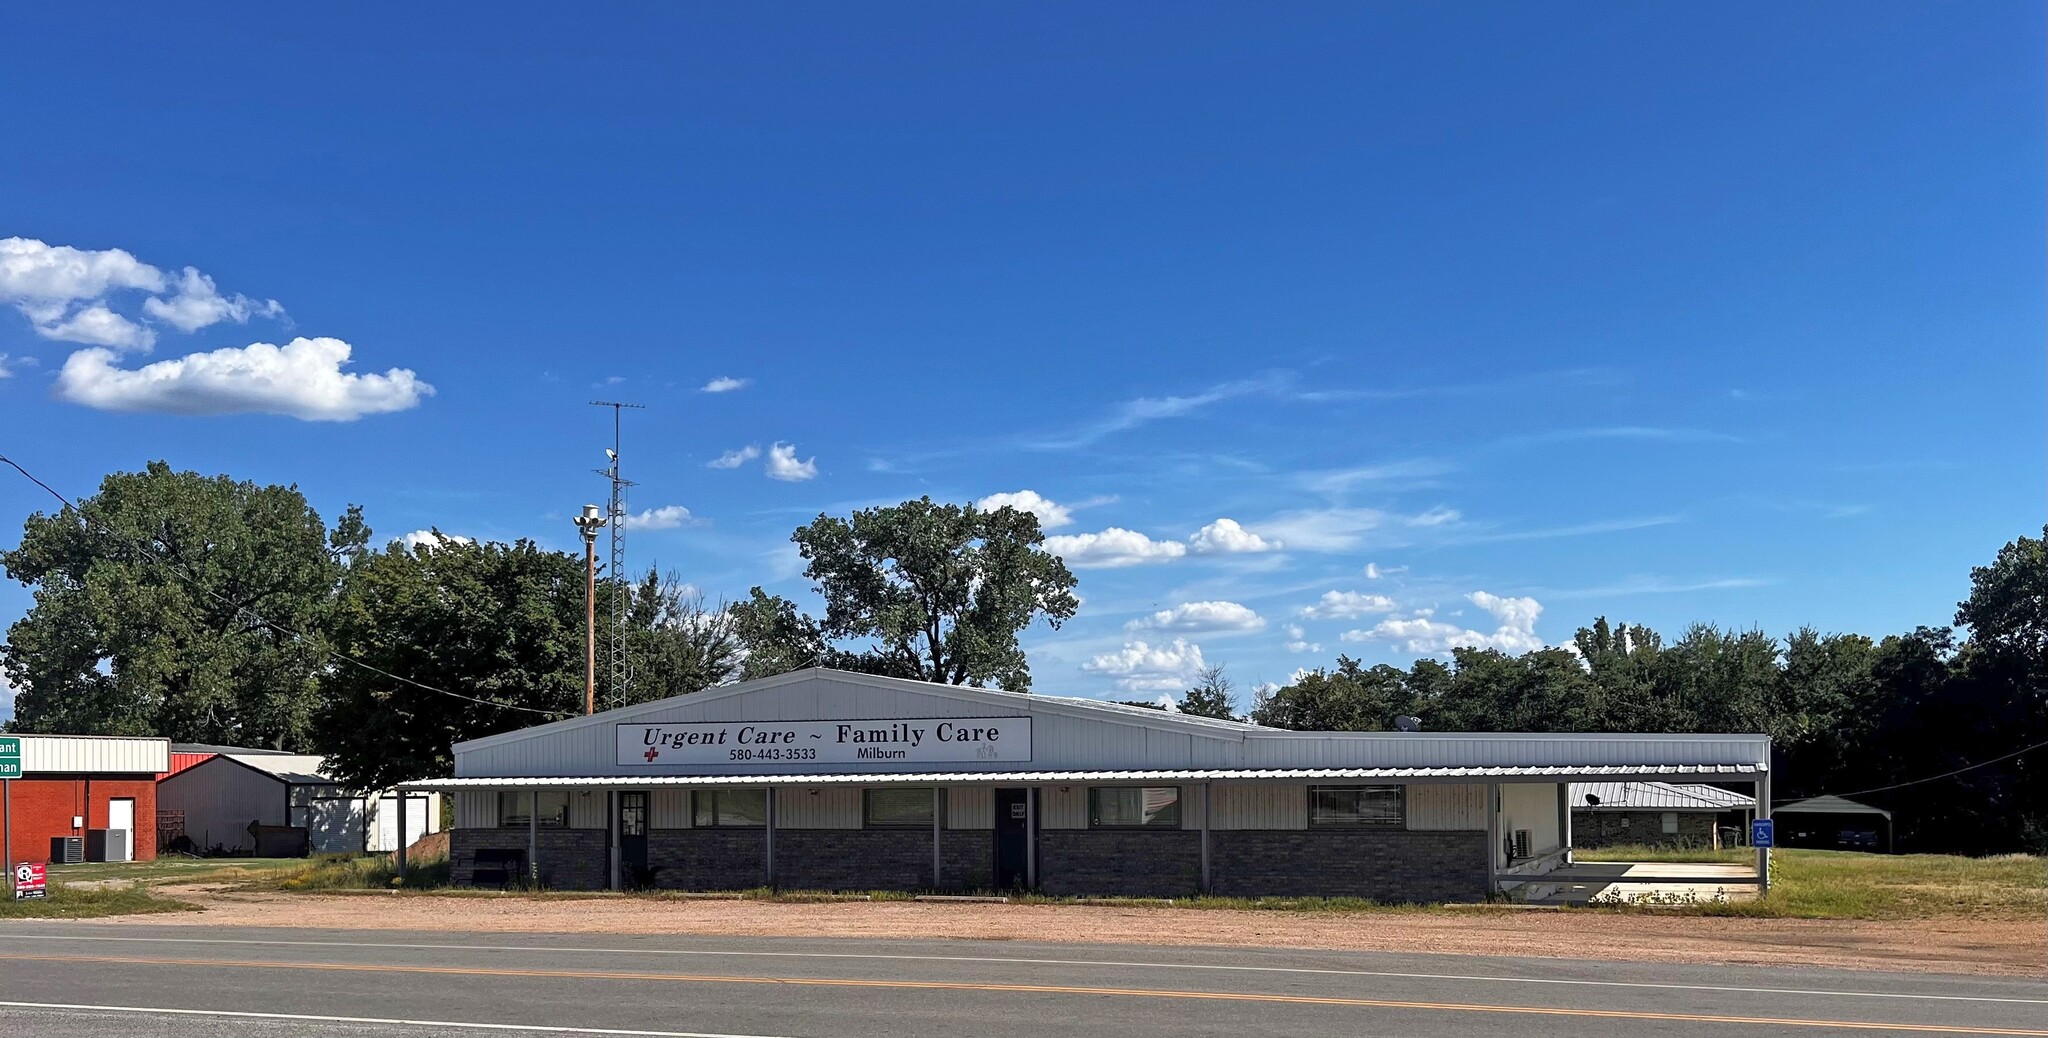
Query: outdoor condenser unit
x=1521, y=844
x=67, y=850
x=107, y=845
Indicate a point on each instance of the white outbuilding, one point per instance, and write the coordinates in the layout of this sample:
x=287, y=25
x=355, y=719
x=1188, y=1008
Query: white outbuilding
x=254, y=801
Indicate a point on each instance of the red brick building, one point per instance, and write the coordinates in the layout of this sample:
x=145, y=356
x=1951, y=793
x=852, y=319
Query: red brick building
x=80, y=785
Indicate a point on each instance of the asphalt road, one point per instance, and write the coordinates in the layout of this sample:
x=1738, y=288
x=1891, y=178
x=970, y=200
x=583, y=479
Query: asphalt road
x=141, y=980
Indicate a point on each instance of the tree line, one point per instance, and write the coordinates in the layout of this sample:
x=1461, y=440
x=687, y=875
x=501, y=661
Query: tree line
x=208, y=609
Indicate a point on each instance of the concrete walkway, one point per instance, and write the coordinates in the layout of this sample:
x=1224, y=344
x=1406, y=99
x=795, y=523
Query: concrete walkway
x=1645, y=882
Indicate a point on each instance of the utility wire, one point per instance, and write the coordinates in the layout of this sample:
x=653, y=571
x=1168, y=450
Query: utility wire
x=154, y=556
x=2022, y=751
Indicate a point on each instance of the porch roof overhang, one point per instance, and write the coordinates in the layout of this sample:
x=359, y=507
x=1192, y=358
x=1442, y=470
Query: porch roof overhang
x=1728, y=772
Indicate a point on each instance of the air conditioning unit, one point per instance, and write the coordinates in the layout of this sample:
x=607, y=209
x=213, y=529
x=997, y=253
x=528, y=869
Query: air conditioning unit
x=67, y=850
x=1520, y=844
x=108, y=845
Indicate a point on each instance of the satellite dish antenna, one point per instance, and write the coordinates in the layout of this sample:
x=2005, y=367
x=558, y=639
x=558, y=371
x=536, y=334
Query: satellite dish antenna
x=1405, y=723
x=1592, y=800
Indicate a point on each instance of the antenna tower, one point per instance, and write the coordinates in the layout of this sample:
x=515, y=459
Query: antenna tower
x=621, y=585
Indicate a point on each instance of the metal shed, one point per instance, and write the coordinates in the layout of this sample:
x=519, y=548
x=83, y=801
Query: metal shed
x=228, y=798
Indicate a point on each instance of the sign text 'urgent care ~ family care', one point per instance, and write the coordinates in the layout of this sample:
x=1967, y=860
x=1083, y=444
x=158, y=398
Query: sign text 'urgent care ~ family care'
x=895, y=739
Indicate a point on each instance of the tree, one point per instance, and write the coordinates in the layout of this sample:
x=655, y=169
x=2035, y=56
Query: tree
x=1350, y=698
x=164, y=605
x=675, y=645
x=926, y=591
x=489, y=635
x=1213, y=696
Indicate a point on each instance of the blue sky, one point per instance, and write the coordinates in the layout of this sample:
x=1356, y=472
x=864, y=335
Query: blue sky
x=1473, y=322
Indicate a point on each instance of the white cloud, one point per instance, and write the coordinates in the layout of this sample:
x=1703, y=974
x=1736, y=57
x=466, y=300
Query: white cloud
x=1112, y=548
x=1141, y=667
x=1347, y=605
x=1297, y=640
x=1323, y=529
x=98, y=326
x=65, y=293
x=1437, y=516
x=302, y=379
x=735, y=458
x=1167, y=703
x=1225, y=536
x=1051, y=514
x=667, y=517
x=198, y=304
x=1372, y=571
x=726, y=384
x=1421, y=634
x=4, y=372
x=1196, y=617
x=431, y=538
x=782, y=464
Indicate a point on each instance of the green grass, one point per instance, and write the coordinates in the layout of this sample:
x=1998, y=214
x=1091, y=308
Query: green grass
x=72, y=903
x=369, y=872
x=1662, y=853
x=169, y=869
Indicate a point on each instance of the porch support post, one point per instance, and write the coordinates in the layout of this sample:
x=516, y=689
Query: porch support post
x=611, y=829
x=1492, y=837
x=400, y=802
x=1208, y=885
x=1031, y=837
x=533, y=836
x=1564, y=819
x=938, y=822
x=1763, y=854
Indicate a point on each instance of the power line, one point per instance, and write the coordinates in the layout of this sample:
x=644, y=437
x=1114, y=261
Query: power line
x=2022, y=751
x=266, y=621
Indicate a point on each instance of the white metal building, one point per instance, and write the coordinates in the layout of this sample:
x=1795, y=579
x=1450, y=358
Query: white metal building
x=225, y=795
x=833, y=780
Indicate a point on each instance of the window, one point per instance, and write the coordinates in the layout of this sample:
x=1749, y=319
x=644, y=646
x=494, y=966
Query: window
x=1356, y=807
x=513, y=807
x=1134, y=807
x=897, y=808
x=1670, y=822
x=712, y=808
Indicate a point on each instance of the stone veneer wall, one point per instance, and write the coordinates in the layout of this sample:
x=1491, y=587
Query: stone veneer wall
x=570, y=859
x=1120, y=862
x=1604, y=828
x=1380, y=864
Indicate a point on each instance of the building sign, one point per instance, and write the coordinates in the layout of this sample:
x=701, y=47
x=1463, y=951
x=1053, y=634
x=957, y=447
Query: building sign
x=10, y=757
x=896, y=740
x=30, y=881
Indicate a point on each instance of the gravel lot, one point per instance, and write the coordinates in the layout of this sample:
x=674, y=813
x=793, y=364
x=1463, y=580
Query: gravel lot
x=2013, y=947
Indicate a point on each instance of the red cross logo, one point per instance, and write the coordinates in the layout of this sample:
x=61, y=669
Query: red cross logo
x=651, y=754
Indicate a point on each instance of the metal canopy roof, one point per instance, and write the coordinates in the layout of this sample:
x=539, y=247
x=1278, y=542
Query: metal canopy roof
x=1656, y=796
x=1014, y=778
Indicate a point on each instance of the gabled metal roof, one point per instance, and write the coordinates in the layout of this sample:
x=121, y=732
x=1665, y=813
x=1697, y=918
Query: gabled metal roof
x=1829, y=805
x=1025, y=778
x=1656, y=796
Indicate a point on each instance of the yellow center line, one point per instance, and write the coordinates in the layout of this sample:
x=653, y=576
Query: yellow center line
x=1040, y=989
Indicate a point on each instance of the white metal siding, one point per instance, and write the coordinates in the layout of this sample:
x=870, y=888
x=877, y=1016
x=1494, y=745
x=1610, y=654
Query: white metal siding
x=335, y=824
x=94, y=754
x=423, y=816
x=1531, y=806
x=970, y=807
x=1434, y=807
x=586, y=810
x=476, y=809
x=1259, y=805
x=669, y=809
x=831, y=807
x=1063, y=807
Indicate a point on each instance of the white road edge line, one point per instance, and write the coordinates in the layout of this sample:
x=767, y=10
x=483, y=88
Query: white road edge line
x=1002, y=960
x=390, y=1021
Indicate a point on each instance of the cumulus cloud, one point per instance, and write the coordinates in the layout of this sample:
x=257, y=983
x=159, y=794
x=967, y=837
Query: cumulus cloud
x=198, y=304
x=66, y=294
x=1112, y=548
x=1423, y=634
x=1051, y=514
x=432, y=538
x=667, y=517
x=782, y=464
x=1141, y=667
x=1198, y=617
x=302, y=379
x=733, y=459
x=1297, y=640
x=1347, y=605
x=726, y=384
x=1225, y=536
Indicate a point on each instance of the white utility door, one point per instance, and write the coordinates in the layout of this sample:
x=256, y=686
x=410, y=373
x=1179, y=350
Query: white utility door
x=121, y=818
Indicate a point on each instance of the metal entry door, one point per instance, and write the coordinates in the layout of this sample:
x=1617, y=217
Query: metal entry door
x=1013, y=840
x=633, y=870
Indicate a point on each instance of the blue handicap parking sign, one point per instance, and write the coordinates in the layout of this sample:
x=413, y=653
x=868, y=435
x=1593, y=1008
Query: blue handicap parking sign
x=1762, y=832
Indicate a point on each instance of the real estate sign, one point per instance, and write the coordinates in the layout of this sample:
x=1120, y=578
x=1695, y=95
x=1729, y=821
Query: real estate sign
x=31, y=880
x=895, y=740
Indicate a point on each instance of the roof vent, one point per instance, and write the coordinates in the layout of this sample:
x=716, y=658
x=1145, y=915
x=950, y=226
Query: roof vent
x=1405, y=723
